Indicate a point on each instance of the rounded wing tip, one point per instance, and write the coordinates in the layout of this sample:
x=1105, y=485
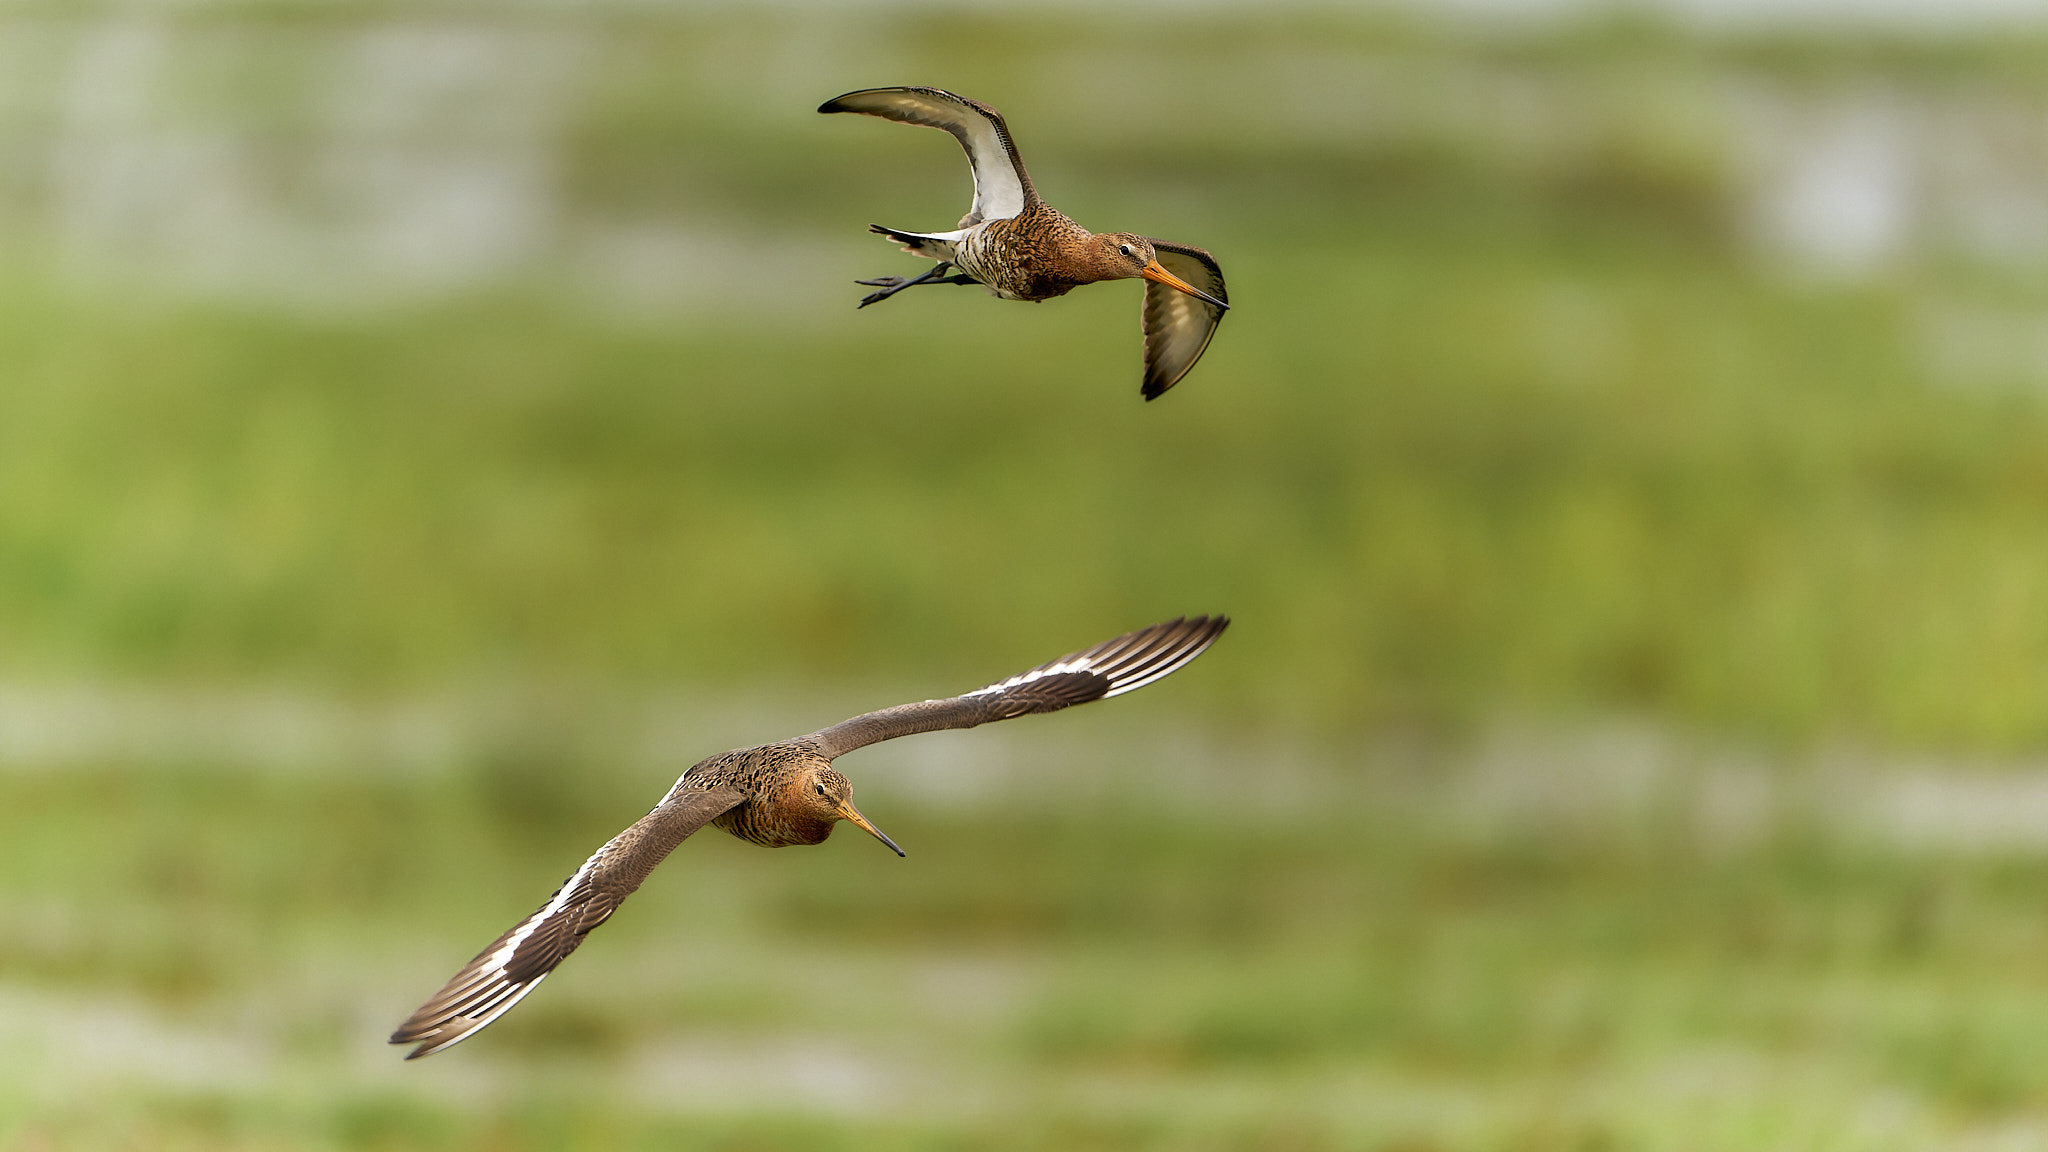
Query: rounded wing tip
x=1158, y=384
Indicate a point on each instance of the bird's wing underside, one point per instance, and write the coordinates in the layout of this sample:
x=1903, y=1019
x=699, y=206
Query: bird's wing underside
x=1001, y=187
x=515, y=963
x=1110, y=668
x=1178, y=326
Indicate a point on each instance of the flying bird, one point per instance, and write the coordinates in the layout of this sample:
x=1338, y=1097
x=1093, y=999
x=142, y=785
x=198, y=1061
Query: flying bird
x=775, y=795
x=1021, y=248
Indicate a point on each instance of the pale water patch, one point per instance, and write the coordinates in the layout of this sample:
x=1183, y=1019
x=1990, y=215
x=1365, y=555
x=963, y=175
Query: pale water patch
x=1962, y=811
x=818, y=1075
x=386, y=159
x=655, y=269
x=1832, y=183
x=423, y=158
x=51, y=728
x=1515, y=778
x=53, y=1046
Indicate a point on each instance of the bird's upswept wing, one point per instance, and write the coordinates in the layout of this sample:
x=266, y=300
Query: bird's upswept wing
x=515, y=963
x=1001, y=187
x=1178, y=326
x=1110, y=668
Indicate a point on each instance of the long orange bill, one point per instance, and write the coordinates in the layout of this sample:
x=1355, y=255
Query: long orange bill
x=1159, y=275
x=848, y=812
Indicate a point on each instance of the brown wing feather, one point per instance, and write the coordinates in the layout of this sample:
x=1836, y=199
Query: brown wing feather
x=515, y=963
x=1178, y=326
x=1110, y=668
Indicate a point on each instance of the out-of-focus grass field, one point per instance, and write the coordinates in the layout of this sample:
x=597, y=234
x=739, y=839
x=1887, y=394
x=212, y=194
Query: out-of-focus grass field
x=1513, y=418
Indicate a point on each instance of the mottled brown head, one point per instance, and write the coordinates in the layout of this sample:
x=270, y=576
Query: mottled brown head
x=1126, y=256
x=1122, y=255
x=827, y=797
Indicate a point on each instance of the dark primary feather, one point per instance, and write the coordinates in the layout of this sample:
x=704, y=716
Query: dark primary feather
x=1110, y=668
x=502, y=974
x=1178, y=326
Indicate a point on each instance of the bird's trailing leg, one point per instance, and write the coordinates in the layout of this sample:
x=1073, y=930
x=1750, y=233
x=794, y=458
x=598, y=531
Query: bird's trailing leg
x=891, y=285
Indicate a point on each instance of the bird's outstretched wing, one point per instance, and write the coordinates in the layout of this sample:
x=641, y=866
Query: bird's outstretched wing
x=1110, y=668
x=1001, y=187
x=518, y=961
x=1178, y=326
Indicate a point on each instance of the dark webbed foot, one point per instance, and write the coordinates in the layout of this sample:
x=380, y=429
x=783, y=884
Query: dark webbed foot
x=891, y=285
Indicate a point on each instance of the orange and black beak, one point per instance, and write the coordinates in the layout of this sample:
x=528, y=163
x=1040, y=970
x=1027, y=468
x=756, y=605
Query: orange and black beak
x=848, y=812
x=1159, y=275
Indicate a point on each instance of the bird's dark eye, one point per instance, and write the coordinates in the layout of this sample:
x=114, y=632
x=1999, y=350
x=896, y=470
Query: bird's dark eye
x=1126, y=249
x=820, y=788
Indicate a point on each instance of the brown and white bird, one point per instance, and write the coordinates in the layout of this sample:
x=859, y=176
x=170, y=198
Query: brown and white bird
x=1021, y=248
x=775, y=795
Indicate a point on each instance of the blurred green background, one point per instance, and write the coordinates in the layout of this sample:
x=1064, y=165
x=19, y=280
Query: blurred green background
x=426, y=429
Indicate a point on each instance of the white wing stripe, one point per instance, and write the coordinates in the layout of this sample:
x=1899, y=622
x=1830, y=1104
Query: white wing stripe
x=503, y=955
x=1081, y=664
x=1128, y=662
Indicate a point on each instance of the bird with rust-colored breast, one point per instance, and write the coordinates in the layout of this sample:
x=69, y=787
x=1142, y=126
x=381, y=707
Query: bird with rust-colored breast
x=775, y=795
x=1021, y=248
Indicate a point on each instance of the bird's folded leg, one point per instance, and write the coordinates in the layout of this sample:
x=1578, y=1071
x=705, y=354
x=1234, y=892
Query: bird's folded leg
x=891, y=285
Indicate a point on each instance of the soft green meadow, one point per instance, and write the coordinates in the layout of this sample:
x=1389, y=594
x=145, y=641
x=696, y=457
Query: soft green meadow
x=1517, y=416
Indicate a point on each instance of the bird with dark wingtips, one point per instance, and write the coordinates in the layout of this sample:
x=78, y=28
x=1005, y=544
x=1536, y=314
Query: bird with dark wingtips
x=1021, y=248
x=775, y=795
